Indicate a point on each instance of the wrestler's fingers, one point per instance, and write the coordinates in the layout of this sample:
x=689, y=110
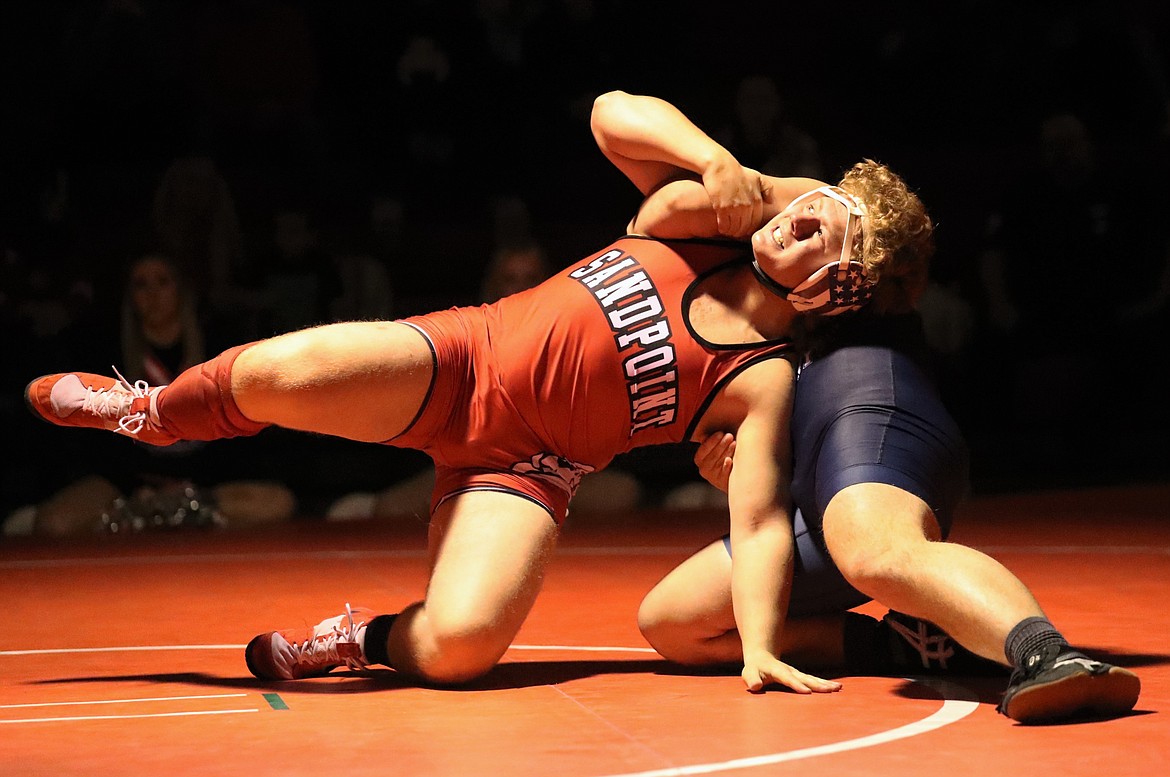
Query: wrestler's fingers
x=757, y=680
x=729, y=221
x=714, y=448
x=780, y=673
x=755, y=217
x=714, y=458
x=819, y=684
x=753, y=679
x=747, y=218
x=724, y=474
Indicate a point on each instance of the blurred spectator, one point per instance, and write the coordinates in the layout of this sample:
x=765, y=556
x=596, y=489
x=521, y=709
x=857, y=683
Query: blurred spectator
x=33, y=311
x=363, y=260
x=120, y=481
x=514, y=268
x=558, y=38
x=501, y=30
x=195, y=221
x=254, y=66
x=511, y=220
x=41, y=301
x=764, y=136
x=426, y=94
x=1064, y=231
x=496, y=51
x=948, y=322
x=575, y=50
x=1081, y=52
x=386, y=216
x=122, y=80
x=1063, y=207
x=299, y=281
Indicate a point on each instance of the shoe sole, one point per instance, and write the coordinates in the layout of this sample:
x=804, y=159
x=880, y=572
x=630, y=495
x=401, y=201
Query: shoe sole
x=1083, y=694
x=261, y=642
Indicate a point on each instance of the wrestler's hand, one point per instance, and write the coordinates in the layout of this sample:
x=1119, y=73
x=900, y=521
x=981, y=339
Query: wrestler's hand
x=764, y=669
x=737, y=195
x=714, y=459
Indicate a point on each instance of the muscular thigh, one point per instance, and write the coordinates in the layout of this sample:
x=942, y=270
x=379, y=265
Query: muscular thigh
x=488, y=554
x=869, y=416
x=877, y=457
x=360, y=380
x=874, y=518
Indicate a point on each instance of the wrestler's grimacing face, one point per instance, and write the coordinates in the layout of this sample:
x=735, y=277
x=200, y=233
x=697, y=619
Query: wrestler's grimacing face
x=799, y=240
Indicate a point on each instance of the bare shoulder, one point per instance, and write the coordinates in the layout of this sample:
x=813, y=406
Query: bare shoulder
x=769, y=382
x=765, y=389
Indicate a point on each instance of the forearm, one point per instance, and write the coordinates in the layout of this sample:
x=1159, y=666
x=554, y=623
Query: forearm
x=761, y=577
x=652, y=137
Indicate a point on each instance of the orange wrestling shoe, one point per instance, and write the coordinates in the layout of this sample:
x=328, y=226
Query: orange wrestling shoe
x=294, y=654
x=88, y=401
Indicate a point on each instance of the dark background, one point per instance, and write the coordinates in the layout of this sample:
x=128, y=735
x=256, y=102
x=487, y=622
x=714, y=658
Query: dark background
x=315, y=108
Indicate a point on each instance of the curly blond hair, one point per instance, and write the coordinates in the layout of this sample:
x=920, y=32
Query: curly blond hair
x=896, y=240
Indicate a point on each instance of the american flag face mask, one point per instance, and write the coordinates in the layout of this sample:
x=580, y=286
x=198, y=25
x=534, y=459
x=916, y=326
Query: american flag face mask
x=838, y=286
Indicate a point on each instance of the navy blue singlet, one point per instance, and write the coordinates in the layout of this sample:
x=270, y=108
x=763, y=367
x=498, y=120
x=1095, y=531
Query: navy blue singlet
x=865, y=414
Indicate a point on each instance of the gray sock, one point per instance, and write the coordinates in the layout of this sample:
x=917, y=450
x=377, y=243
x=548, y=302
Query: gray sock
x=1029, y=636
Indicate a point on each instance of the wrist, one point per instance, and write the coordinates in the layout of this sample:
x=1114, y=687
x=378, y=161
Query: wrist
x=715, y=160
x=758, y=655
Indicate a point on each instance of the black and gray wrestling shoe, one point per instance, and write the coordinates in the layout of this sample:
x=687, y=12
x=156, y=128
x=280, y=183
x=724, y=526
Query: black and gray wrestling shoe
x=1057, y=683
x=925, y=648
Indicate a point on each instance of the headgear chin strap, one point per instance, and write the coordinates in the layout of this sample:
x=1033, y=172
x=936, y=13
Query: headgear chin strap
x=837, y=286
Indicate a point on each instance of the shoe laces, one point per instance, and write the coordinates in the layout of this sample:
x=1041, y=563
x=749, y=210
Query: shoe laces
x=931, y=644
x=322, y=648
x=1037, y=662
x=116, y=402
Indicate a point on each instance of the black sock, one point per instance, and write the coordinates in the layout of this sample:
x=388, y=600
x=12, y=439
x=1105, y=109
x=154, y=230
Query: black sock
x=377, y=632
x=1029, y=636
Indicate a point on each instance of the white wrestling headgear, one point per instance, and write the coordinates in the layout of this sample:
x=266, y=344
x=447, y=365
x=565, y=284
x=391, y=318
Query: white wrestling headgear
x=838, y=286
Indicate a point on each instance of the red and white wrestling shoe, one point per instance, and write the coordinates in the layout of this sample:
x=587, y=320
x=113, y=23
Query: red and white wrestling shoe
x=294, y=654
x=88, y=401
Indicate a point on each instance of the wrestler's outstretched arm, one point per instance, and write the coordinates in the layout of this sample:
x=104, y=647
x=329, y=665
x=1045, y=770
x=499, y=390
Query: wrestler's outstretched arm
x=762, y=543
x=694, y=186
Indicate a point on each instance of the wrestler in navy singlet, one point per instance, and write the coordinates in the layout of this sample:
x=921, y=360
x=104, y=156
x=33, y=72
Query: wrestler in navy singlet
x=867, y=414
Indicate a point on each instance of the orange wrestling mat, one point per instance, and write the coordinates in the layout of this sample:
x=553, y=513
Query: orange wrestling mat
x=123, y=656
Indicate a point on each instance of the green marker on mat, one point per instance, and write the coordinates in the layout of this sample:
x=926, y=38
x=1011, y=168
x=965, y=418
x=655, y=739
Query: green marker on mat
x=274, y=701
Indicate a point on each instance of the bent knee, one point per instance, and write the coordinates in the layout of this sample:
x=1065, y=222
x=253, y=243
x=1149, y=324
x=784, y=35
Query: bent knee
x=677, y=646
x=678, y=642
x=875, y=533
x=874, y=570
x=451, y=668
x=462, y=650
x=656, y=628
x=651, y=626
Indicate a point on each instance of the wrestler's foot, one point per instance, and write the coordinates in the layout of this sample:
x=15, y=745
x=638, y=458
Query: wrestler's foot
x=1053, y=685
x=294, y=654
x=928, y=649
x=88, y=401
